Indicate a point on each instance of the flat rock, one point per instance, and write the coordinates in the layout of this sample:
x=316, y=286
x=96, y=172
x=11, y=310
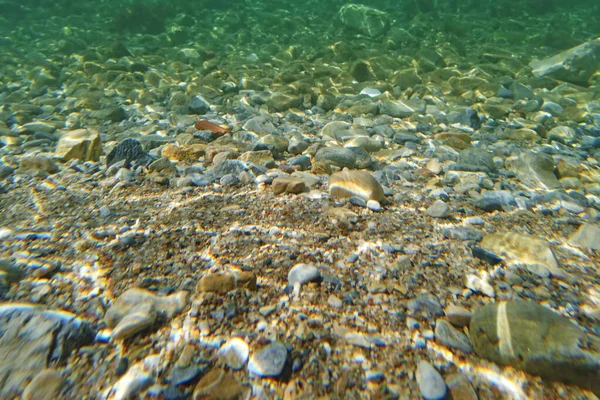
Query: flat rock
x=80, y=144
x=586, y=237
x=218, y=384
x=525, y=250
x=223, y=283
x=457, y=315
x=431, y=384
x=428, y=304
x=269, y=361
x=575, y=65
x=38, y=162
x=534, y=339
x=449, y=336
x=137, y=309
x=348, y=183
x=289, y=185
x=32, y=339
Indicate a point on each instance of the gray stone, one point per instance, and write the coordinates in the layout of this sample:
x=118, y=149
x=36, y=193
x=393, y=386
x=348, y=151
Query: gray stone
x=532, y=338
x=462, y=233
x=303, y=274
x=427, y=304
x=575, y=65
x=198, y=105
x=498, y=200
x=234, y=353
x=366, y=20
x=269, y=361
x=438, y=209
x=396, y=108
x=431, y=384
x=233, y=167
x=449, y=336
x=476, y=159
x=33, y=338
x=340, y=156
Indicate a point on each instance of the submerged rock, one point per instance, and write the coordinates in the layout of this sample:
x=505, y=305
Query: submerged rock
x=349, y=183
x=366, y=20
x=80, y=144
x=534, y=339
x=575, y=65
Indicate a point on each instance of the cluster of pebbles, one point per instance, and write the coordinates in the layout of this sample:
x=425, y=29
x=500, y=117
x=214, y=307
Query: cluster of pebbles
x=424, y=227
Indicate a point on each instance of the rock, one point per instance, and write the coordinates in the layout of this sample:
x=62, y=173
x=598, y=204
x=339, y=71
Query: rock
x=458, y=316
x=269, y=361
x=396, y=109
x=497, y=200
x=449, y=336
x=283, y=101
x=340, y=156
x=462, y=233
x=438, y=209
x=34, y=338
x=521, y=249
x=131, y=151
x=303, y=273
x=475, y=159
x=289, y=185
x=263, y=158
x=233, y=167
x=532, y=338
x=137, y=379
x=277, y=142
x=427, y=304
x=480, y=284
x=234, y=353
x=223, y=283
x=467, y=117
x=562, y=134
x=218, y=384
x=80, y=144
x=198, y=105
x=431, y=384
x=9, y=272
x=5, y=171
x=586, y=237
x=44, y=385
x=38, y=162
x=366, y=20
x=113, y=114
x=460, y=387
x=349, y=183
x=535, y=170
x=575, y=65
x=137, y=309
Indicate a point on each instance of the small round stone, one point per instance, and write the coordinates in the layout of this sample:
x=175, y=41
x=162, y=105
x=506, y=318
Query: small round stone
x=303, y=273
x=269, y=361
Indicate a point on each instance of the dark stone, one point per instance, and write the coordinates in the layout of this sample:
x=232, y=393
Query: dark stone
x=477, y=160
x=467, y=117
x=428, y=304
x=183, y=375
x=113, y=114
x=198, y=105
x=205, y=136
x=131, y=151
x=486, y=255
x=403, y=137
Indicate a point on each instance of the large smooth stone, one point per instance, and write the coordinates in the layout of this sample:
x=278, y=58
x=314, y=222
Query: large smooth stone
x=534, y=339
x=80, y=144
x=349, y=183
x=340, y=156
x=586, y=237
x=269, y=361
x=431, y=384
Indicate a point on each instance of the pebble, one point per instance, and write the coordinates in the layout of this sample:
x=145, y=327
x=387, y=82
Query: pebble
x=334, y=301
x=349, y=183
x=234, y=353
x=303, y=273
x=431, y=384
x=438, y=209
x=269, y=361
x=449, y=336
